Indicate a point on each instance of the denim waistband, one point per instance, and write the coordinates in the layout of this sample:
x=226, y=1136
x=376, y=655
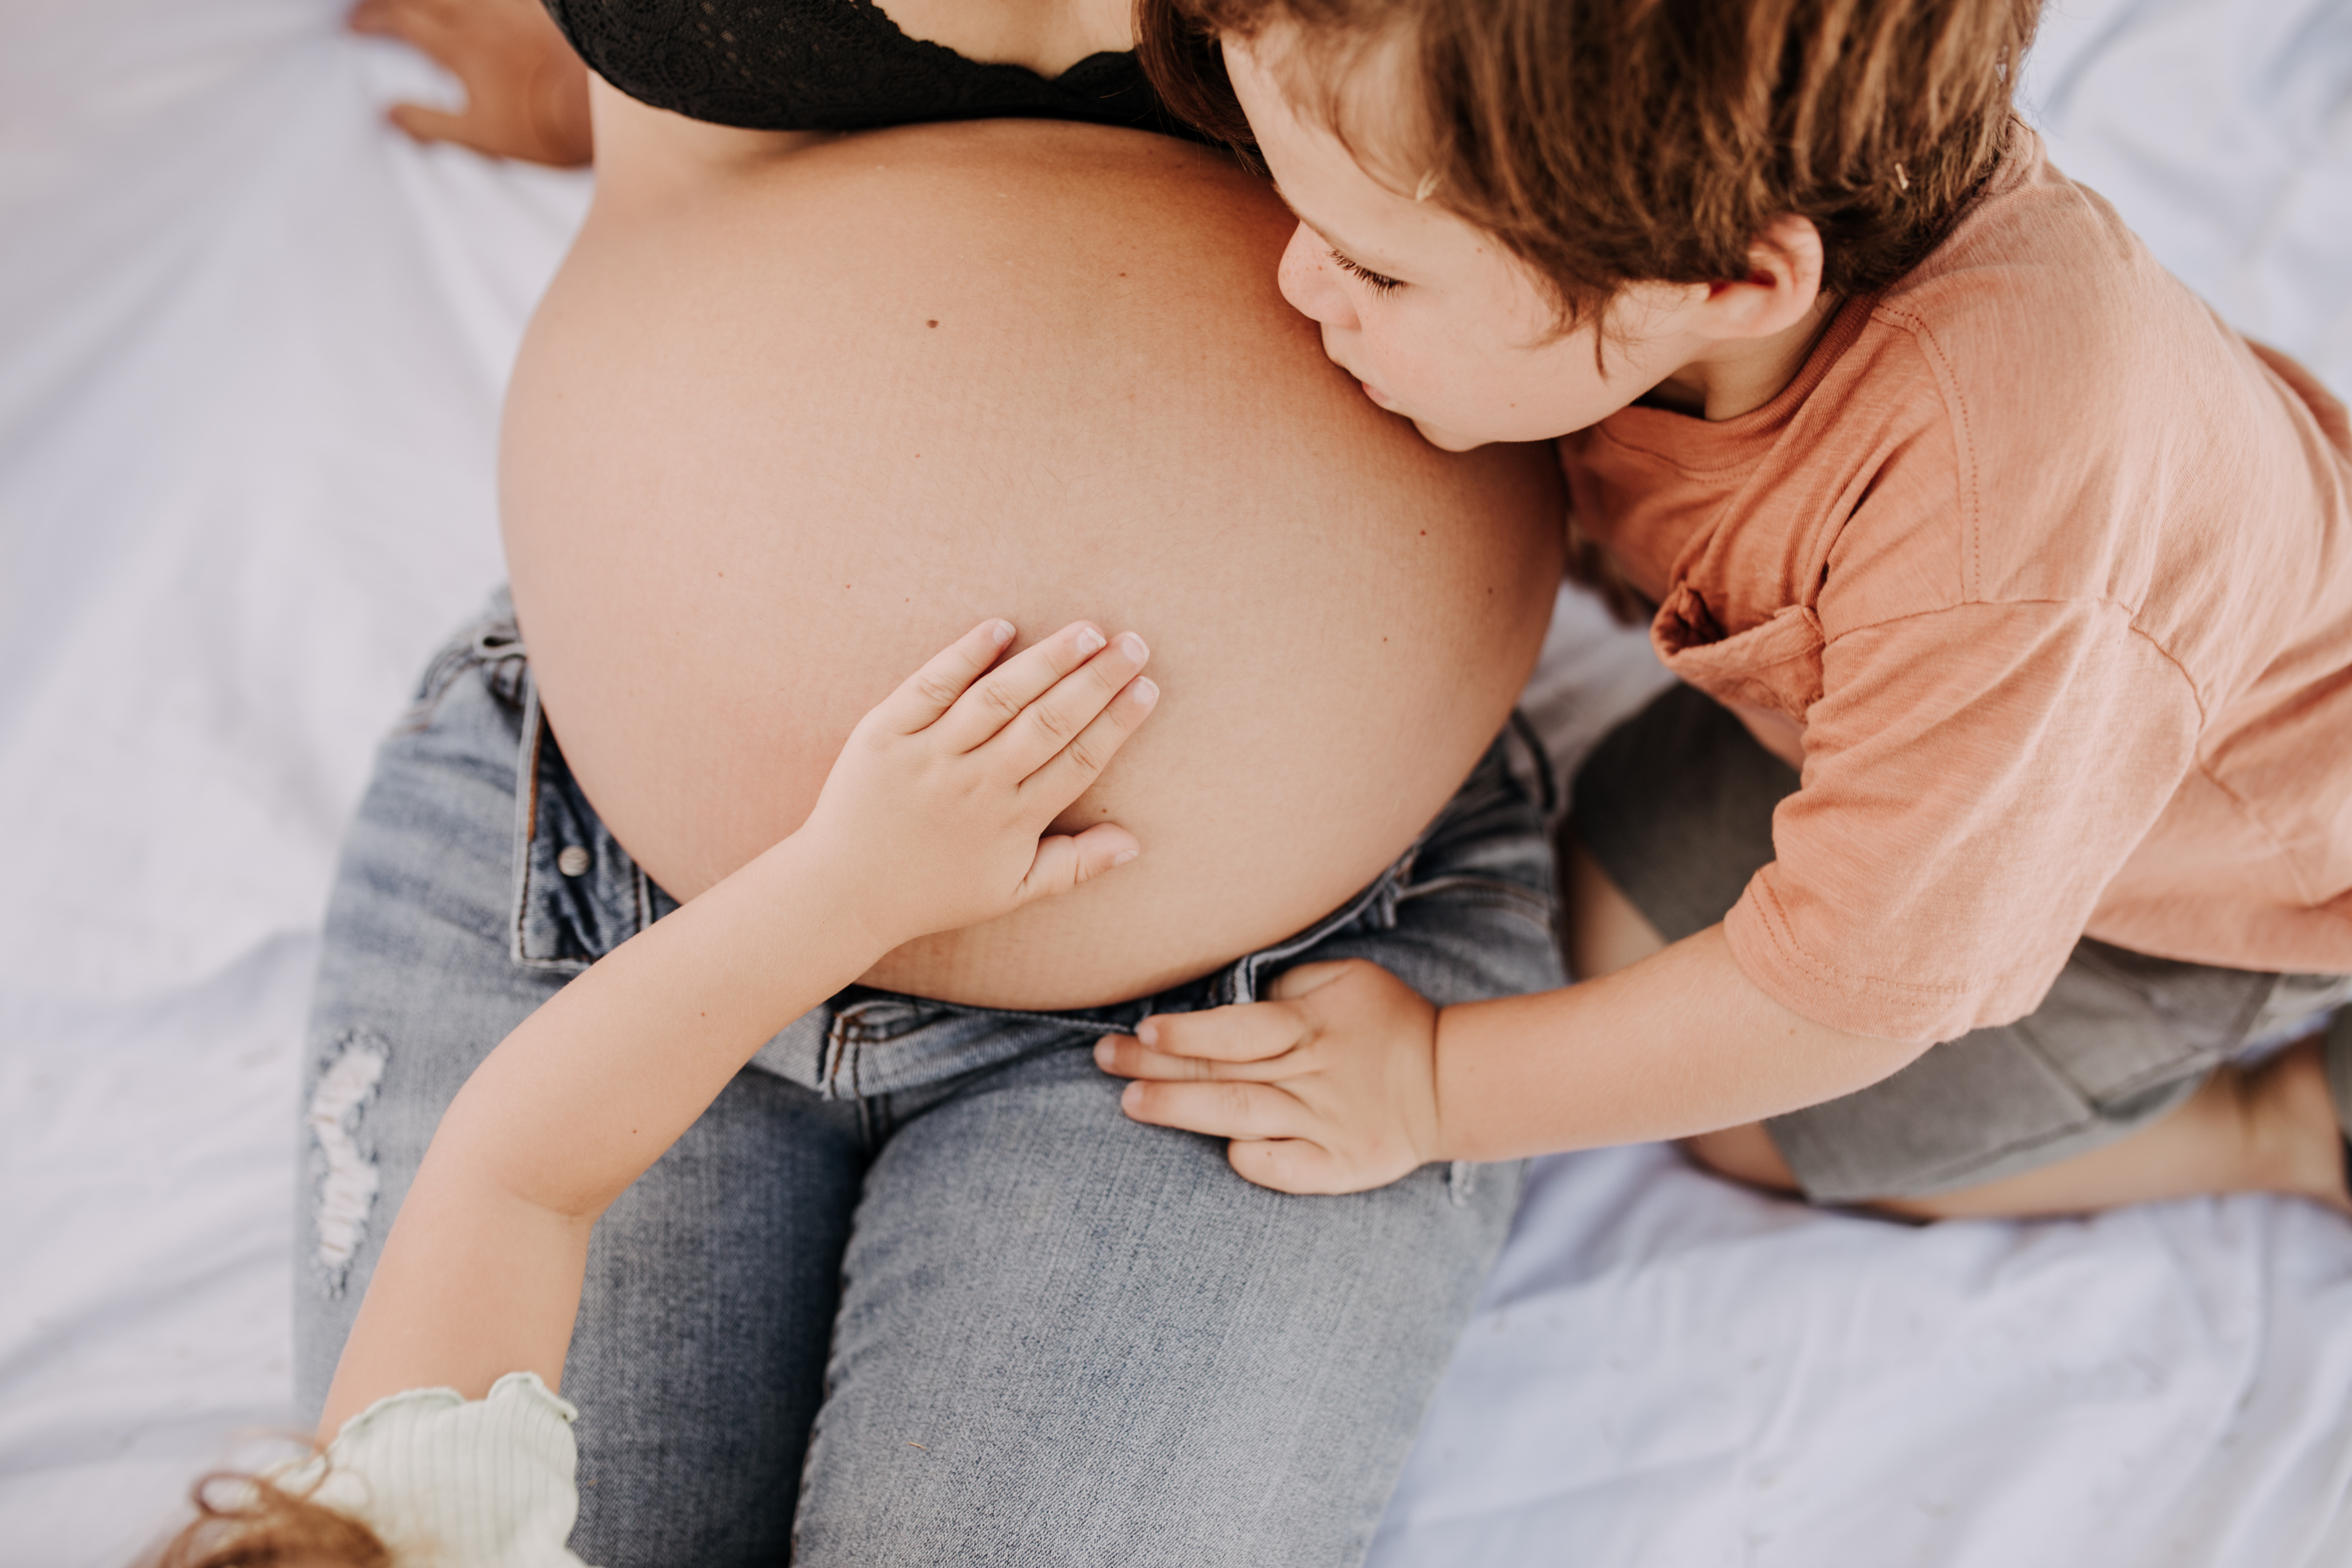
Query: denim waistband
x=578, y=894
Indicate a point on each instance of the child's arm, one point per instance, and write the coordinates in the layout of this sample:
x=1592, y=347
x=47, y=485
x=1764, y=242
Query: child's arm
x=1351, y=1080
x=930, y=820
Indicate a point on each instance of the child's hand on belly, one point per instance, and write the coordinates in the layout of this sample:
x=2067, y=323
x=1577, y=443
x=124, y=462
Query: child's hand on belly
x=931, y=817
x=1330, y=1088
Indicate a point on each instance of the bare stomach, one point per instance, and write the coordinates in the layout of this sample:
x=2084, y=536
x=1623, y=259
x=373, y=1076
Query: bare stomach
x=769, y=447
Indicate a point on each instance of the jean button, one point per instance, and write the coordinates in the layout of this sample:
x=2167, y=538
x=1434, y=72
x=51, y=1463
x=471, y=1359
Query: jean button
x=574, y=861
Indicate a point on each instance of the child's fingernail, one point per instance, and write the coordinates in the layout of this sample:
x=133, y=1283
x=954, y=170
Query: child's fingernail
x=1123, y=856
x=1146, y=693
x=1131, y=1096
x=1105, y=1052
x=1002, y=632
x=1148, y=1032
x=1133, y=647
x=1089, y=642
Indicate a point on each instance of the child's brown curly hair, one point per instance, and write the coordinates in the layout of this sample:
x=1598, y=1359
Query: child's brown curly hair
x=249, y=1522
x=1613, y=142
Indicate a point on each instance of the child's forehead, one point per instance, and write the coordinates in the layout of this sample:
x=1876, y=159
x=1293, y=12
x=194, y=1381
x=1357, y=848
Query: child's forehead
x=1355, y=96
x=1326, y=174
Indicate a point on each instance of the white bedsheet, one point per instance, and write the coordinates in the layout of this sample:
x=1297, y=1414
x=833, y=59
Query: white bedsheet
x=251, y=346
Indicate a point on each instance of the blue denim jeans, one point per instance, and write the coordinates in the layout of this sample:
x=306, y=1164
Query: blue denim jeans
x=912, y=1291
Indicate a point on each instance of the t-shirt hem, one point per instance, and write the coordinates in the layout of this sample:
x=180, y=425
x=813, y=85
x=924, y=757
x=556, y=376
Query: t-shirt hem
x=1768, y=955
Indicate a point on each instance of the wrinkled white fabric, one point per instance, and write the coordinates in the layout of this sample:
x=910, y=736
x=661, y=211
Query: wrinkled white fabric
x=1668, y=1371
x=252, y=345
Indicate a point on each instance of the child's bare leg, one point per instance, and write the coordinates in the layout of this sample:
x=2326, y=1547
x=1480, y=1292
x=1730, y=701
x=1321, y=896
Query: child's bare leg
x=2268, y=1129
x=1605, y=932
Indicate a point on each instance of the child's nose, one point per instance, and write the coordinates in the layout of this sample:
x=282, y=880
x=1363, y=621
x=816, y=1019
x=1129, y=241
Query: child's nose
x=1307, y=280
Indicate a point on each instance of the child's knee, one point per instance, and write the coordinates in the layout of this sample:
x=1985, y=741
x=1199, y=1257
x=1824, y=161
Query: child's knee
x=1745, y=1153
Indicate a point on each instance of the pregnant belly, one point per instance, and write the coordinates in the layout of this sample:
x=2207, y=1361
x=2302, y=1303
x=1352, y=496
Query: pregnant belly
x=769, y=447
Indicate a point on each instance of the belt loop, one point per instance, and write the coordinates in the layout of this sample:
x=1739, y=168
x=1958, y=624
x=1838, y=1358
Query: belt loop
x=840, y=1071
x=1461, y=1182
x=1546, y=782
x=837, y=1055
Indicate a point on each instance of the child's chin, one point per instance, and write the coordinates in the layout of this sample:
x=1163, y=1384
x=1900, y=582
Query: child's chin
x=1446, y=440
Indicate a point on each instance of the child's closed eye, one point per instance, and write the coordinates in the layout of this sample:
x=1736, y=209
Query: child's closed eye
x=1379, y=283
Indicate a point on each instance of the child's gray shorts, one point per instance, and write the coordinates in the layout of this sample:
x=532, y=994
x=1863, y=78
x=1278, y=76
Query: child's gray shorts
x=1676, y=806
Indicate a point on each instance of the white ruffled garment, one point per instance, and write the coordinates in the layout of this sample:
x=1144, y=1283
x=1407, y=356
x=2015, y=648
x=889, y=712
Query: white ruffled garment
x=456, y=1482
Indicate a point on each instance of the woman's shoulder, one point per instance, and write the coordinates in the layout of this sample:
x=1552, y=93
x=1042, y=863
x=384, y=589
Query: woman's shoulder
x=463, y=1483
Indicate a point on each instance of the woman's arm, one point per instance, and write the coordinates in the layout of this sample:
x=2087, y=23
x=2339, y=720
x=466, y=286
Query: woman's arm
x=930, y=820
x=526, y=92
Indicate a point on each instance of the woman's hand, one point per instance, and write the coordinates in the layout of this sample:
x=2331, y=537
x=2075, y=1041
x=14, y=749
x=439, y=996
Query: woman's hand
x=1330, y=1088
x=934, y=810
x=526, y=92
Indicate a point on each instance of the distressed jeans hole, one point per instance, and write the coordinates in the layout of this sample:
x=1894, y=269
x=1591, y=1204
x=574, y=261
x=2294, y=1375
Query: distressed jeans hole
x=348, y=1182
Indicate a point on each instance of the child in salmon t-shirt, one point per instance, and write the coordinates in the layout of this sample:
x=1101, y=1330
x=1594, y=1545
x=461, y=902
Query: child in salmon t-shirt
x=2001, y=827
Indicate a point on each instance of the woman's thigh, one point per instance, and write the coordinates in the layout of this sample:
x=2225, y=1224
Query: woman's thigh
x=710, y=1287
x=699, y=1358
x=1065, y=1337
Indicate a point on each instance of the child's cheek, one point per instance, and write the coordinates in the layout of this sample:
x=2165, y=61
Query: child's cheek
x=1420, y=368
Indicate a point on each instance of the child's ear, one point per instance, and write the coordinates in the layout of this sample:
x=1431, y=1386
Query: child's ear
x=1784, y=279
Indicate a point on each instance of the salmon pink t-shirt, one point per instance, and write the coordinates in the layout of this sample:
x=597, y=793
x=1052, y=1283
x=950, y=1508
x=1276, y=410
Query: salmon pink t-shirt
x=2042, y=575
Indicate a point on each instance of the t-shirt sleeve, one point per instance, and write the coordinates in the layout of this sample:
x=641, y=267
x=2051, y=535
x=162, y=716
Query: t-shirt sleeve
x=1973, y=778
x=460, y=1483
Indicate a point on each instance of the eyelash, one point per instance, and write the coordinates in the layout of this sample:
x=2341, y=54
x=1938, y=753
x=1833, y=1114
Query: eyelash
x=1376, y=282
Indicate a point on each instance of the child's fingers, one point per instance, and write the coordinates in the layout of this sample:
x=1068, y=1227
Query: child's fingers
x=1289, y=1165
x=1248, y=1032
x=1308, y=978
x=932, y=690
x=1065, y=775
x=1019, y=681
x=1052, y=721
x=1064, y=861
x=1124, y=1055
x=1218, y=1110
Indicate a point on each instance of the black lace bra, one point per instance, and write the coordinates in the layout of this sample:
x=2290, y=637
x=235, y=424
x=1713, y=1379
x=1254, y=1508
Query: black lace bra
x=831, y=65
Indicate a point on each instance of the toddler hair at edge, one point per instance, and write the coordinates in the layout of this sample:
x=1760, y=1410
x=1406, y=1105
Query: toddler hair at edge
x=1606, y=143
x=245, y=1521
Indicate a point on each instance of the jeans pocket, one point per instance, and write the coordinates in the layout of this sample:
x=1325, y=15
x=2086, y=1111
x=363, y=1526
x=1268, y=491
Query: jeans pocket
x=577, y=893
x=492, y=644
